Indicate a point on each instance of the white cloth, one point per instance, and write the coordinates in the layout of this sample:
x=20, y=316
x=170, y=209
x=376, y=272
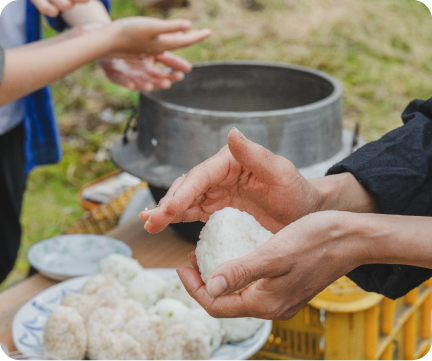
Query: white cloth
x=12, y=34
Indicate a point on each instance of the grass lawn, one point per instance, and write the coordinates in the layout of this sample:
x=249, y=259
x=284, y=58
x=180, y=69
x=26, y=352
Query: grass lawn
x=381, y=51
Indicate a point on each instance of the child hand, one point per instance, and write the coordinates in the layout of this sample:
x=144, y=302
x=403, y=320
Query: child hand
x=150, y=36
x=53, y=7
x=139, y=72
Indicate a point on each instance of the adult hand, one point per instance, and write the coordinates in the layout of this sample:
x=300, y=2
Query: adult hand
x=53, y=8
x=139, y=72
x=243, y=175
x=151, y=36
x=287, y=271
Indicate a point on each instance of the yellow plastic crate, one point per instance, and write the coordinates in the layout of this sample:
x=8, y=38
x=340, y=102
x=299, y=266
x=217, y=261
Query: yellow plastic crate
x=345, y=322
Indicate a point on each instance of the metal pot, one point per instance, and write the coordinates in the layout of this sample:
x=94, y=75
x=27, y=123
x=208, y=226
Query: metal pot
x=295, y=112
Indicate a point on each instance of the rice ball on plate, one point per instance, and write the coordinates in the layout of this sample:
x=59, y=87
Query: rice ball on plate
x=84, y=304
x=174, y=289
x=116, y=346
x=64, y=335
x=228, y=234
x=108, y=296
x=147, y=330
x=123, y=268
x=208, y=326
x=130, y=308
x=146, y=287
x=102, y=321
x=240, y=329
x=171, y=311
x=179, y=342
x=102, y=280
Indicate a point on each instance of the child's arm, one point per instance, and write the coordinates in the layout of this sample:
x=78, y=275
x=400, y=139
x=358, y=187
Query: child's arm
x=29, y=68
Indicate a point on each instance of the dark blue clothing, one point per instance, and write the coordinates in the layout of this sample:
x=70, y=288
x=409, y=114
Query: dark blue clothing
x=397, y=171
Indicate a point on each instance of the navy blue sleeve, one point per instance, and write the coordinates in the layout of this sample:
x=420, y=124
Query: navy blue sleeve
x=397, y=171
x=58, y=23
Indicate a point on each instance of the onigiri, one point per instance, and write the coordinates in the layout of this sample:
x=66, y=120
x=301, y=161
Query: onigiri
x=228, y=234
x=64, y=335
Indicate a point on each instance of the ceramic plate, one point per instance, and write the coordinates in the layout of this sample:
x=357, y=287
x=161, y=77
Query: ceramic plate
x=73, y=255
x=28, y=323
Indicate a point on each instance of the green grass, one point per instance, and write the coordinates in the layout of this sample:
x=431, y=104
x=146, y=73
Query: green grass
x=379, y=49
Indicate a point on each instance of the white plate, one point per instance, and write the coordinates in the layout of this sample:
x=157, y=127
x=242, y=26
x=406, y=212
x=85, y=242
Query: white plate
x=73, y=255
x=28, y=323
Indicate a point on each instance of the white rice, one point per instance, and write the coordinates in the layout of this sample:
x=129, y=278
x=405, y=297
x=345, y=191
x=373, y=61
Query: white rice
x=64, y=335
x=123, y=268
x=228, y=234
x=240, y=329
x=146, y=287
x=171, y=311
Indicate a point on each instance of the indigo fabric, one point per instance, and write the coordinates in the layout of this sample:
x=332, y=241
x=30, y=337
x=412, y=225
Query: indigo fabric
x=397, y=171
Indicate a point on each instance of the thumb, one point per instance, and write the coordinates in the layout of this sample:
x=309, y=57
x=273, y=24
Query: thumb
x=238, y=273
x=266, y=165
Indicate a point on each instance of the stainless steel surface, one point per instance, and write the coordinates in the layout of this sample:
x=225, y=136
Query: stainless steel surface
x=295, y=112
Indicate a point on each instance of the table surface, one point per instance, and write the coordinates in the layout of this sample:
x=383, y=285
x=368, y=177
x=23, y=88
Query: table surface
x=166, y=249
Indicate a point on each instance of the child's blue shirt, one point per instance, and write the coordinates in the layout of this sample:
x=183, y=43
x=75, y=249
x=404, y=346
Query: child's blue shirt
x=42, y=139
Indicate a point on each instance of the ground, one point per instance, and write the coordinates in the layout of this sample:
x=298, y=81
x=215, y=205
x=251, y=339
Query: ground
x=379, y=49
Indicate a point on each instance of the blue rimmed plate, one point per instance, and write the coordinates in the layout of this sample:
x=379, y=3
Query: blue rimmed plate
x=73, y=255
x=28, y=323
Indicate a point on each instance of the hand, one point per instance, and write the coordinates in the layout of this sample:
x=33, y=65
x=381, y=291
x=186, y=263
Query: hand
x=243, y=175
x=286, y=272
x=53, y=8
x=140, y=72
x=150, y=36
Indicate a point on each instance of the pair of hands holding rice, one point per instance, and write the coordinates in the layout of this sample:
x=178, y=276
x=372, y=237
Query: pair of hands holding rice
x=324, y=228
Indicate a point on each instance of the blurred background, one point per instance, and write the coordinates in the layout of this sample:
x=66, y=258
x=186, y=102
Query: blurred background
x=381, y=51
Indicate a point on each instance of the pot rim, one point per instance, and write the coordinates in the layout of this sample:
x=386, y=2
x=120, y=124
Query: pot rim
x=334, y=96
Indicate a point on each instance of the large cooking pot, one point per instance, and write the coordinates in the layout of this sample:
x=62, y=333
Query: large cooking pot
x=294, y=111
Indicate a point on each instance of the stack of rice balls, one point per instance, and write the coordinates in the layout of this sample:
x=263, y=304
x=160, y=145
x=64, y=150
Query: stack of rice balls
x=125, y=312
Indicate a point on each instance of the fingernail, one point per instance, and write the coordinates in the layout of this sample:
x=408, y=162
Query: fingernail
x=216, y=286
x=239, y=132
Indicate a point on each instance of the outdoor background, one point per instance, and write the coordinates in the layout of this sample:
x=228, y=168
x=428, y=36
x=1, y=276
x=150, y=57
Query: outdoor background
x=381, y=51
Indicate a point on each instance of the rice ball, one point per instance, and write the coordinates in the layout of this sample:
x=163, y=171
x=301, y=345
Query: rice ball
x=130, y=308
x=98, y=281
x=84, y=304
x=171, y=311
x=146, y=287
x=147, y=330
x=108, y=296
x=228, y=234
x=64, y=335
x=178, y=342
x=116, y=345
x=208, y=326
x=175, y=289
x=123, y=268
x=103, y=320
x=240, y=329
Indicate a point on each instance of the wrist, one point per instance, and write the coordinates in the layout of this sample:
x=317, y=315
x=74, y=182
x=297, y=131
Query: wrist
x=343, y=192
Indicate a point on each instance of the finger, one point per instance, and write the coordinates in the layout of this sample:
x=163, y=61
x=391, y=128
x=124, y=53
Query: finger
x=193, y=261
x=174, y=62
x=157, y=219
x=268, y=261
x=264, y=164
x=181, y=40
x=207, y=174
x=46, y=8
x=168, y=26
